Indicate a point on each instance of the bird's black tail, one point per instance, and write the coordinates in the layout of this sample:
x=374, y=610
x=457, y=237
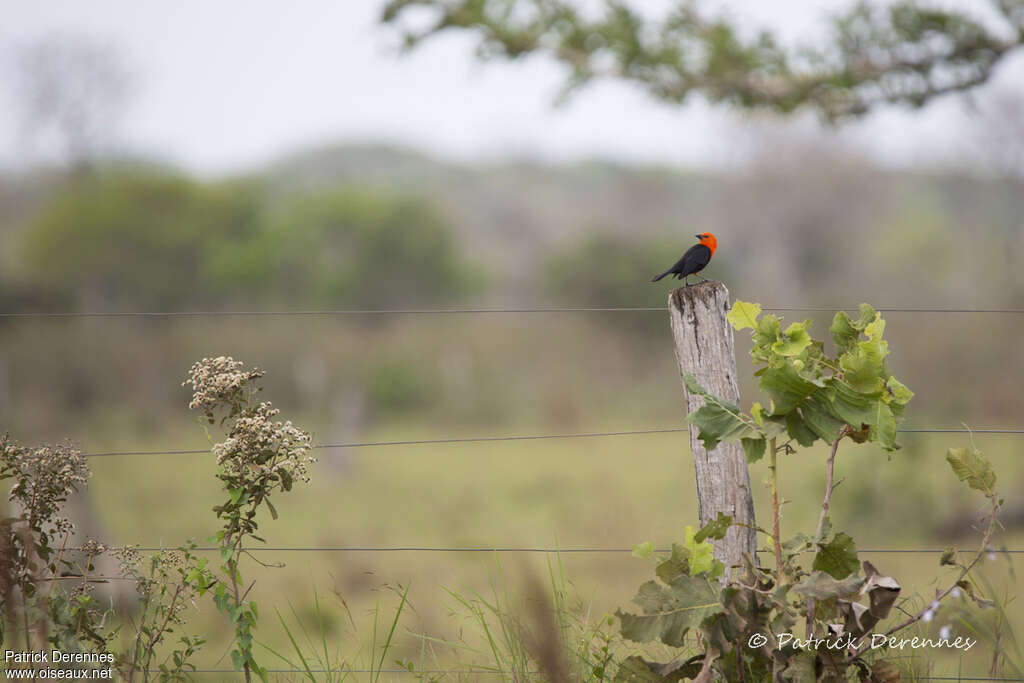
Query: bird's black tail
x=658, y=277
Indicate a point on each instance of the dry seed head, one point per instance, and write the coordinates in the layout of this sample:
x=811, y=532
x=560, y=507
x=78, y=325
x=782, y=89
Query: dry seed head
x=219, y=380
x=44, y=478
x=259, y=445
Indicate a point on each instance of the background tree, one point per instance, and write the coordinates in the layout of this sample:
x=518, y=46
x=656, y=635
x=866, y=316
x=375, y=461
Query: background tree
x=902, y=53
x=73, y=91
x=366, y=249
x=126, y=237
x=139, y=237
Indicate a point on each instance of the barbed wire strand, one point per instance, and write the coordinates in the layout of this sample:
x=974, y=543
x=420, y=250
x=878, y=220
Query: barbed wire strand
x=469, y=311
x=534, y=437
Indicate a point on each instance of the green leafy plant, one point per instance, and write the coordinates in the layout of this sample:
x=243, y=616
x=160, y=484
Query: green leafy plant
x=739, y=613
x=259, y=457
x=167, y=583
x=48, y=587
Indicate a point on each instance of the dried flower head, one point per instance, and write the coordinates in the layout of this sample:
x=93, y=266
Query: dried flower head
x=220, y=382
x=129, y=559
x=259, y=447
x=154, y=573
x=93, y=547
x=44, y=478
x=260, y=454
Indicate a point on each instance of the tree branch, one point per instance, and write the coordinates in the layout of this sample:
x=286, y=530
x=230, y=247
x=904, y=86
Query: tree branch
x=830, y=486
x=776, y=536
x=897, y=54
x=829, y=479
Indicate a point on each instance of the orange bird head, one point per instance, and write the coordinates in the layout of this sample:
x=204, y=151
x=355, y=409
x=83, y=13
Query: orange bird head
x=708, y=240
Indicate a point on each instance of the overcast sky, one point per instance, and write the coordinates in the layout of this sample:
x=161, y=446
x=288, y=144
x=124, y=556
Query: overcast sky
x=222, y=86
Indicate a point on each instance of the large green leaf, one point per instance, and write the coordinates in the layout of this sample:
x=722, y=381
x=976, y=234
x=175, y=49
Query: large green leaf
x=702, y=553
x=715, y=529
x=753, y=448
x=643, y=550
x=794, y=340
x=897, y=395
x=883, y=427
x=838, y=557
x=744, y=315
x=764, y=335
x=846, y=332
x=675, y=565
x=670, y=611
x=865, y=410
x=786, y=387
x=863, y=362
x=861, y=372
x=719, y=420
x=818, y=416
x=971, y=465
x=798, y=430
x=875, y=329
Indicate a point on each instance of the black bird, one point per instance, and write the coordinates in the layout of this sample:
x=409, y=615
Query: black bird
x=694, y=260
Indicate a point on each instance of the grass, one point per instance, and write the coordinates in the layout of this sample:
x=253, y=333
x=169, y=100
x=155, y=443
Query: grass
x=317, y=659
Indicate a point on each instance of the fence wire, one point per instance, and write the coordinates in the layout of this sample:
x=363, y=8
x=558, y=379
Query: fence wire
x=533, y=437
x=471, y=311
x=480, y=549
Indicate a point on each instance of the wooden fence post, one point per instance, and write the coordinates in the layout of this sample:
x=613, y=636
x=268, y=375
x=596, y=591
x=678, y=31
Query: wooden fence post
x=704, y=348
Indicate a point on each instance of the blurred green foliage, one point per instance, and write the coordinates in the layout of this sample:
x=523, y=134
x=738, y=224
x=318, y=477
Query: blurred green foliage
x=398, y=386
x=156, y=240
x=603, y=270
x=363, y=248
x=137, y=238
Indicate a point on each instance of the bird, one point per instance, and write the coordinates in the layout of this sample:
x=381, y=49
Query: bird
x=694, y=260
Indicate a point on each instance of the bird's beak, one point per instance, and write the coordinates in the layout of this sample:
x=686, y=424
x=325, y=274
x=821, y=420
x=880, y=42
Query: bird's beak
x=697, y=236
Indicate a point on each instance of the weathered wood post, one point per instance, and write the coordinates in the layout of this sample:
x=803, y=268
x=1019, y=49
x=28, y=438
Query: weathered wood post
x=704, y=348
